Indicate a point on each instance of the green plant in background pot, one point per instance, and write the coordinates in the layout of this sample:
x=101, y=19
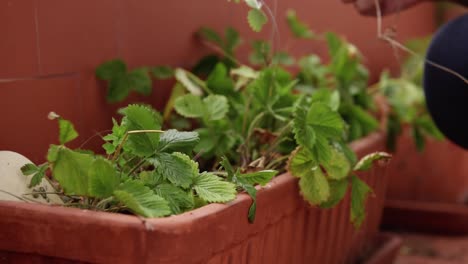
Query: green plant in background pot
x=405, y=96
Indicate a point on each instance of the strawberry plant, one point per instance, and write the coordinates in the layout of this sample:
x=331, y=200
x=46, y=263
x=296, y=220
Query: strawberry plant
x=406, y=97
x=258, y=117
x=147, y=171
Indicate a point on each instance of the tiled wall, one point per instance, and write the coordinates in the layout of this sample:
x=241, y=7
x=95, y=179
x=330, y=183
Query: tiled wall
x=49, y=49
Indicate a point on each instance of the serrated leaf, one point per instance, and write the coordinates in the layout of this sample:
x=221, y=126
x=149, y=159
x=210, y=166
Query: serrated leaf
x=173, y=140
x=140, y=81
x=314, y=187
x=359, y=192
x=103, y=179
x=366, y=162
x=298, y=28
x=259, y=177
x=150, y=178
x=29, y=169
x=301, y=162
x=179, y=200
x=315, y=127
x=162, y=72
x=70, y=169
x=216, y=107
x=141, y=200
x=139, y=117
x=338, y=167
x=67, y=131
x=111, y=69
x=257, y=19
x=178, y=168
x=337, y=193
x=213, y=189
x=190, y=106
x=37, y=178
x=303, y=132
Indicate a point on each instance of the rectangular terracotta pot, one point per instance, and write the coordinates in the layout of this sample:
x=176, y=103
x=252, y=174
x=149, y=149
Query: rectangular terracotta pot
x=286, y=229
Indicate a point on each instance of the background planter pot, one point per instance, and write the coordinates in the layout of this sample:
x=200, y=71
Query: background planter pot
x=286, y=230
x=428, y=191
x=438, y=174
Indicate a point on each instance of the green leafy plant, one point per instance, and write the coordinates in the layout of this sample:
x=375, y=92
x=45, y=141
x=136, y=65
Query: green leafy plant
x=405, y=96
x=250, y=118
x=147, y=171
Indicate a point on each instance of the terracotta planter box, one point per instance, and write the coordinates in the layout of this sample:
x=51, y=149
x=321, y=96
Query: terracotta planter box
x=426, y=217
x=286, y=230
x=438, y=174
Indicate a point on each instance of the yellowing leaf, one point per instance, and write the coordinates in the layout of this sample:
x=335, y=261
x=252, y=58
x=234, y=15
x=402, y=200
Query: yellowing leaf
x=314, y=187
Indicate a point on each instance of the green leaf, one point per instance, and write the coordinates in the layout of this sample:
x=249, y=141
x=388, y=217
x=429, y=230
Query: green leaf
x=213, y=189
x=359, y=192
x=338, y=167
x=141, y=200
x=37, y=178
x=29, y=169
x=179, y=200
x=219, y=81
x=111, y=69
x=337, y=193
x=178, y=168
x=301, y=162
x=140, y=81
x=211, y=108
x=150, y=178
x=303, y=132
x=70, y=169
x=232, y=39
x=314, y=187
x=139, y=117
x=173, y=140
x=257, y=19
x=260, y=177
x=162, y=72
x=316, y=127
x=103, y=178
x=67, y=131
x=190, y=106
x=298, y=28
x=52, y=153
x=366, y=162
x=119, y=88
x=252, y=192
x=210, y=35
x=216, y=107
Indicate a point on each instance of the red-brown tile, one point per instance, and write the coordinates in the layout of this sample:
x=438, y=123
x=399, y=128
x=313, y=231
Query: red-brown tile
x=76, y=35
x=25, y=104
x=18, y=50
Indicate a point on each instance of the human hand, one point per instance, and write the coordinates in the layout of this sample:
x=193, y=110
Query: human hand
x=367, y=7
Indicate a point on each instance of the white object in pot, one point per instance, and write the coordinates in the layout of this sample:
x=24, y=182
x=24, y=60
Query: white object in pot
x=12, y=181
